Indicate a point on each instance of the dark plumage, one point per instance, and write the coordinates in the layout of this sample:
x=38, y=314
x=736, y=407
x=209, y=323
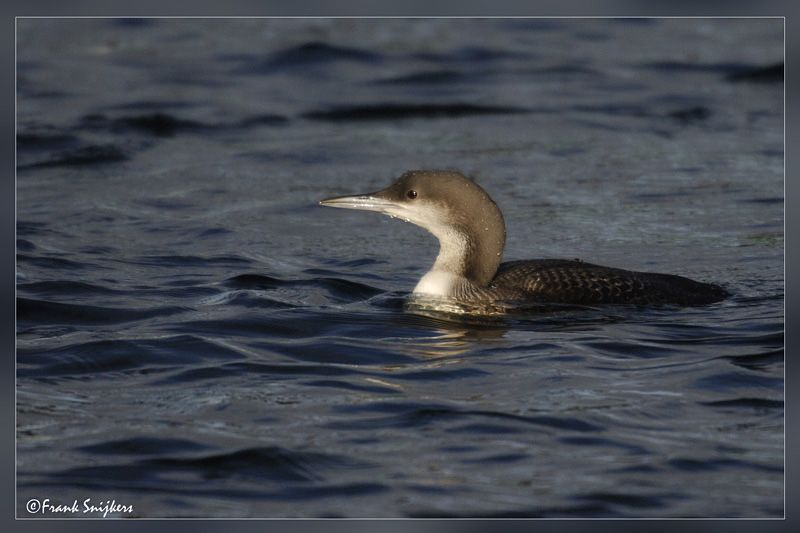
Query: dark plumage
x=577, y=282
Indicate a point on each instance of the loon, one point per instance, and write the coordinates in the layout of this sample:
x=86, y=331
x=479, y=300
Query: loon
x=472, y=234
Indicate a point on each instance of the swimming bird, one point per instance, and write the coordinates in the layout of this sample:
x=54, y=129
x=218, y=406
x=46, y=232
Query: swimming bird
x=472, y=235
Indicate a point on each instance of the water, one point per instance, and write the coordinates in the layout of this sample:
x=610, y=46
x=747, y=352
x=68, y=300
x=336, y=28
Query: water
x=196, y=337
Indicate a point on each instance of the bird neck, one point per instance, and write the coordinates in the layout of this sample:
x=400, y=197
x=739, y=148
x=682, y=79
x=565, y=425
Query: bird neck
x=472, y=250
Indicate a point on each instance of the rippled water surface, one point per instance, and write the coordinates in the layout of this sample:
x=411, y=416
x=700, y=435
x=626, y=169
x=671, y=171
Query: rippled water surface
x=196, y=337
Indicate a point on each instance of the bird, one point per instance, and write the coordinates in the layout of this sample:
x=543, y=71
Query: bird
x=472, y=235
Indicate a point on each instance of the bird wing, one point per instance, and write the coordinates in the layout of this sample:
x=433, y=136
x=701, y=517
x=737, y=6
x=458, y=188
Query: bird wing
x=574, y=281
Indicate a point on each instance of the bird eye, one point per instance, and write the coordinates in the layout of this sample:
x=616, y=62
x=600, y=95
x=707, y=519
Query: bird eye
x=412, y=194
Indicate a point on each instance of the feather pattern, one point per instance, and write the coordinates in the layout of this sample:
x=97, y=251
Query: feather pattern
x=576, y=282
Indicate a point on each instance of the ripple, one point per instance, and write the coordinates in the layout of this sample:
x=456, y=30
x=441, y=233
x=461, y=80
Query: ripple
x=759, y=74
x=66, y=288
x=293, y=475
x=602, y=443
x=344, y=385
x=473, y=54
x=189, y=261
x=724, y=381
x=297, y=58
x=268, y=463
x=143, y=446
x=55, y=263
x=758, y=361
x=158, y=124
x=123, y=355
x=348, y=353
x=398, y=111
x=340, y=288
x=47, y=139
x=693, y=66
x=94, y=154
x=637, y=348
x=434, y=414
x=625, y=500
x=689, y=464
x=162, y=124
x=427, y=77
x=218, y=371
x=25, y=245
x=748, y=403
x=46, y=312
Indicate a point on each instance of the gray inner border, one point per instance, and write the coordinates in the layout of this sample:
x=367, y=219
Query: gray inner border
x=11, y=9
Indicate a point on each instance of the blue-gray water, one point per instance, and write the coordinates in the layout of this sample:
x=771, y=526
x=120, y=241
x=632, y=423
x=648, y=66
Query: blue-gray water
x=196, y=337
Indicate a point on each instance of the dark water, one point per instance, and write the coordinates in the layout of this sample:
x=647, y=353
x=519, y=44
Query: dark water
x=196, y=337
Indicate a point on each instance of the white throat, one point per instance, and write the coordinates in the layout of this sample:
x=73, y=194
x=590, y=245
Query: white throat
x=443, y=278
x=439, y=283
x=446, y=278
